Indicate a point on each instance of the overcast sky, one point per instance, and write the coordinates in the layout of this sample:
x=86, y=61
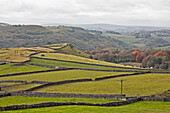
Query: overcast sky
x=120, y=12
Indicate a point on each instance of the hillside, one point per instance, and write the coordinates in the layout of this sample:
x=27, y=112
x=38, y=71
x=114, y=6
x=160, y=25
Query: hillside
x=141, y=42
x=23, y=53
x=61, y=51
x=57, y=75
x=34, y=35
x=3, y=24
x=65, y=48
x=118, y=28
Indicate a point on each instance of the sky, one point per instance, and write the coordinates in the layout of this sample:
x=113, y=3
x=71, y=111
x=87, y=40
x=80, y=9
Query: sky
x=119, y=12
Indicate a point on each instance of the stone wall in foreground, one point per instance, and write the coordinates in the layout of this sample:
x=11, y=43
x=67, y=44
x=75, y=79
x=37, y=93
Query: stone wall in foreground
x=49, y=104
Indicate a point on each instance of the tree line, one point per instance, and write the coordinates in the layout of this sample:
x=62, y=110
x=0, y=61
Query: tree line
x=150, y=58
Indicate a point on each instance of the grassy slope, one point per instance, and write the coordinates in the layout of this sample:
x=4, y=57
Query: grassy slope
x=166, y=38
x=69, y=49
x=125, y=38
x=20, y=87
x=138, y=107
x=60, y=75
x=19, y=54
x=58, y=45
x=162, y=48
x=18, y=100
x=7, y=84
x=11, y=68
x=22, y=54
x=66, y=57
x=128, y=39
x=146, y=84
x=71, y=65
x=66, y=48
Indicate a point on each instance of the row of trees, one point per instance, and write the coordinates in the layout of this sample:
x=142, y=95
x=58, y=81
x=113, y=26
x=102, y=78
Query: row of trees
x=151, y=58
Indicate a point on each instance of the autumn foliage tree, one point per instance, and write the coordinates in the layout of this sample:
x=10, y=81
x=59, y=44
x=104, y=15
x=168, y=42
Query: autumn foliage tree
x=134, y=54
x=140, y=57
x=160, y=53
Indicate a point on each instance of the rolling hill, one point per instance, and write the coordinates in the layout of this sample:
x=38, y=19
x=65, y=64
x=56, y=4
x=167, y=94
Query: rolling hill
x=107, y=27
x=60, y=75
x=33, y=35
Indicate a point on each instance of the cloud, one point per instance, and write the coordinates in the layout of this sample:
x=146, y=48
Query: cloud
x=123, y=12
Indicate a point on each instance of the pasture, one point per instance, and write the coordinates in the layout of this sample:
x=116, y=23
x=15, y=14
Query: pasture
x=20, y=54
x=19, y=87
x=19, y=68
x=60, y=75
x=145, y=84
x=73, y=65
x=67, y=57
x=18, y=100
x=138, y=107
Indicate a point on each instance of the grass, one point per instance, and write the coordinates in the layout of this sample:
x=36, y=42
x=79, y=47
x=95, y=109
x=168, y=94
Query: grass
x=7, y=84
x=17, y=68
x=19, y=87
x=166, y=38
x=145, y=84
x=19, y=54
x=59, y=45
x=163, y=48
x=61, y=75
x=18, y=100
x=66, y=57
x=125, y=38
x=69, y=49
x=72, y=65
x=138, y=107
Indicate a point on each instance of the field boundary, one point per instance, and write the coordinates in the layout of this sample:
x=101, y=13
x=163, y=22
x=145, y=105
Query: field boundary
x=66, y=95
x=24, y=73
x=148, y=98
x=57, y=83
x=142, y=70
x=106, y=70
x=49, y=104
x=13, y=81
x=85, y=63
x=46, y=84
x=121, y=75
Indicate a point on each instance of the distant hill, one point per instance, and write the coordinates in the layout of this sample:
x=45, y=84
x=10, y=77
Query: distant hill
x=35, y=35
x=110, y=27
x=3, y=24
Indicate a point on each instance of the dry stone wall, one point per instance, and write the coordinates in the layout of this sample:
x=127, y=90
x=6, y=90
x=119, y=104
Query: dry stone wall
x=66, y=95
x=49, y=104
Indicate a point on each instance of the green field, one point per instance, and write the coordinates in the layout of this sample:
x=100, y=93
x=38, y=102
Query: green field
x=66, y=57
x=69, y=49
x=125, y=38
x=20, y=87
x=138, y=107
x=18, y=100
x=15, y=68
x=7, y=84
x=163, y=48
x=145, y=84
x=72, y=65
x=61, y=75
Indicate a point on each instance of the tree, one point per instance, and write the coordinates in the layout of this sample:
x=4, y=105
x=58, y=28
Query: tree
x=134, y=54
x=87, y=51
x=140, y=57
x=160, y=53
